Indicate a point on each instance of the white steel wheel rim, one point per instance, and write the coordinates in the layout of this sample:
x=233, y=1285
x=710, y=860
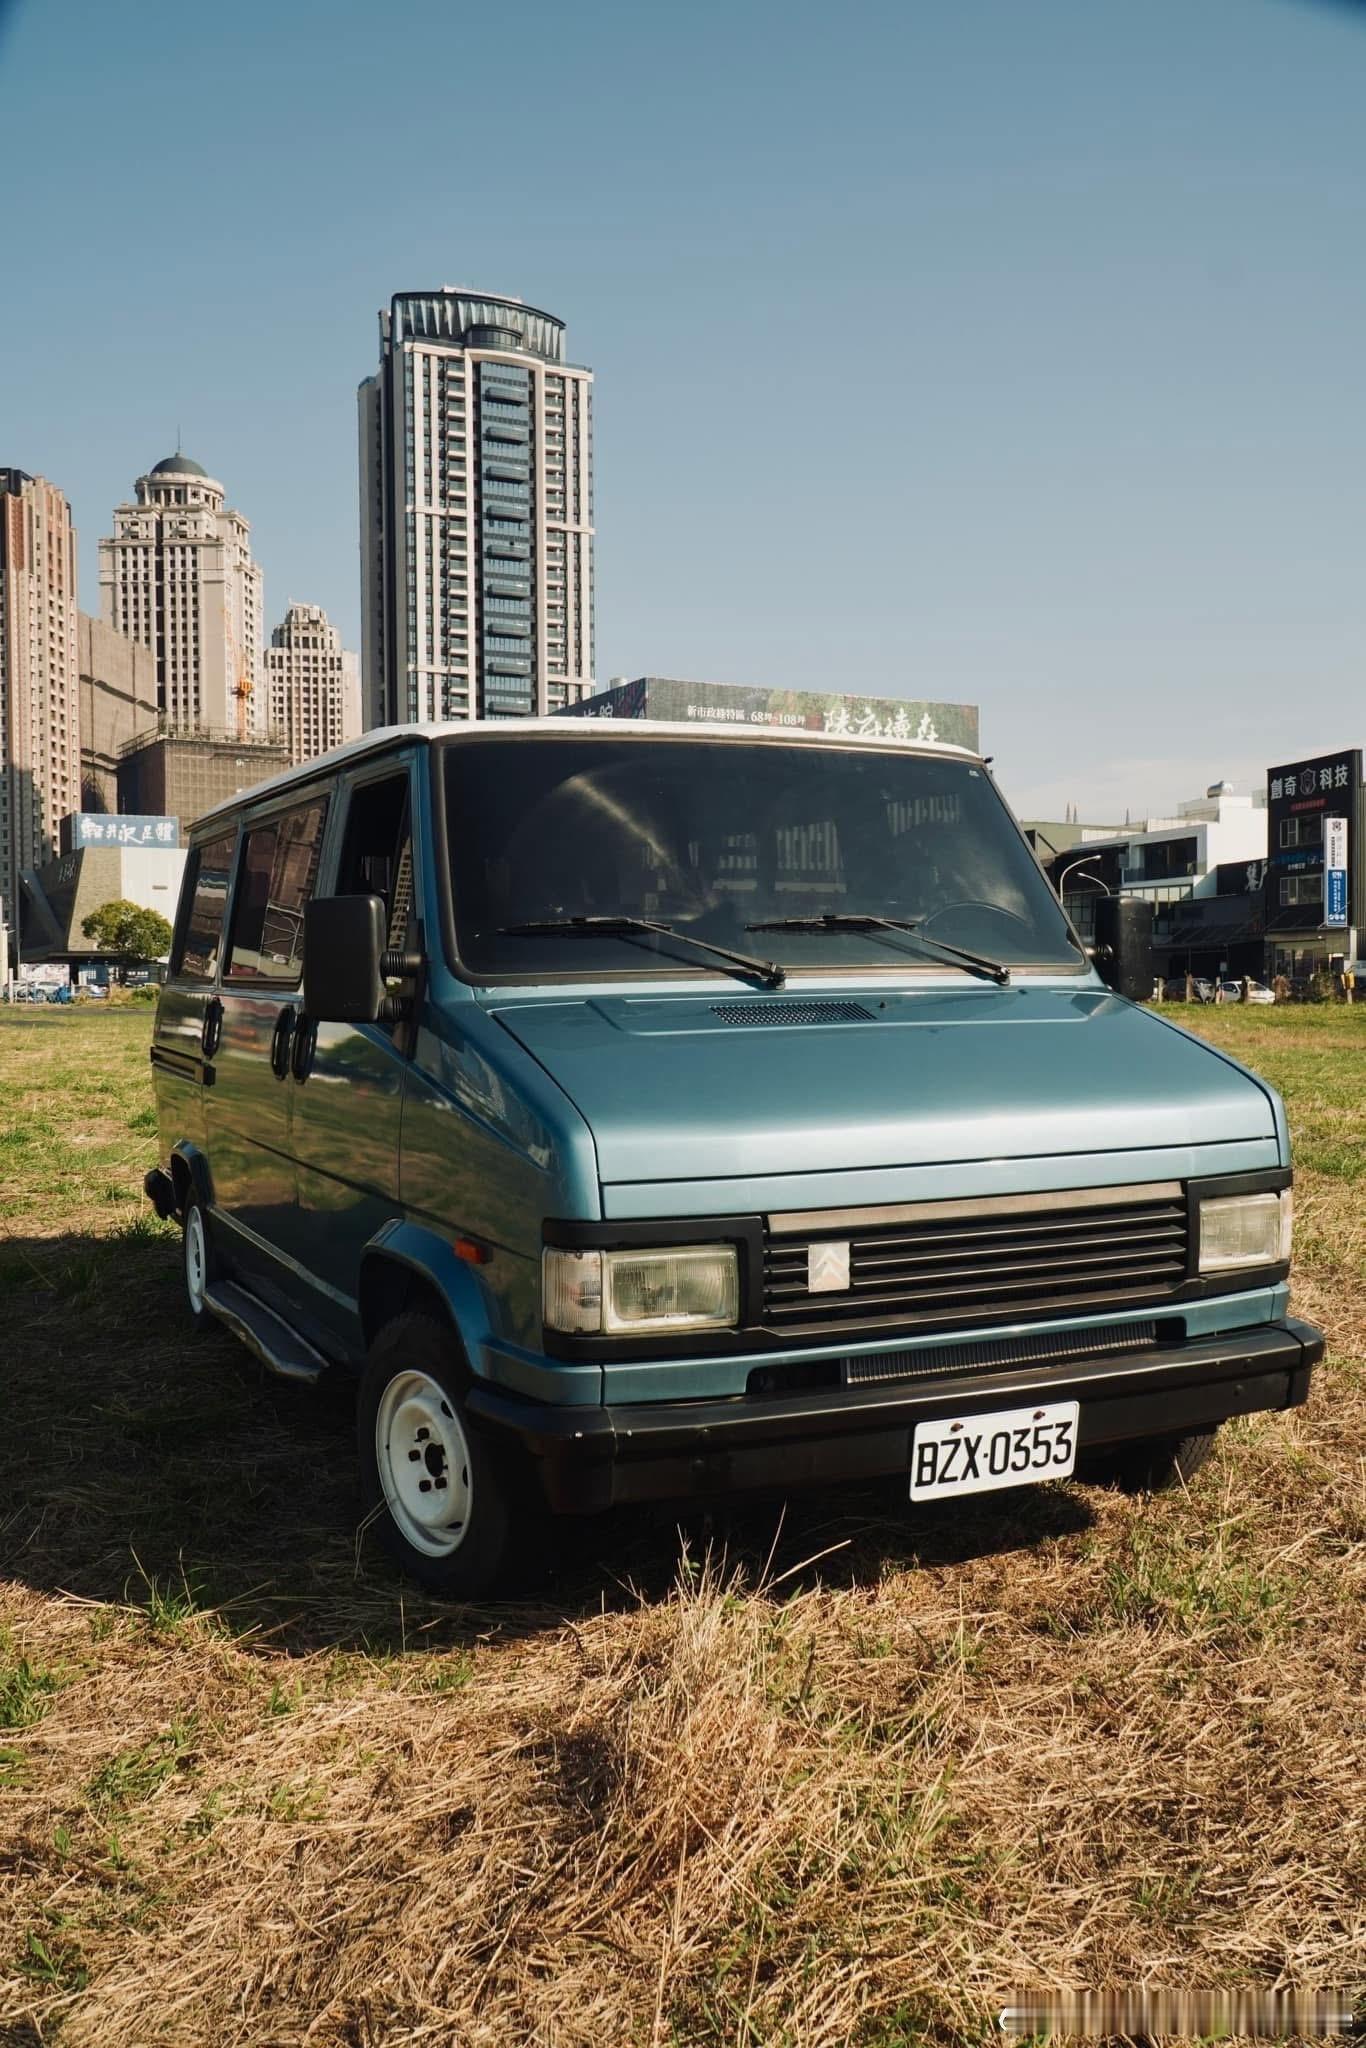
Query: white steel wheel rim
x=423, y=1458
x=196, y=1260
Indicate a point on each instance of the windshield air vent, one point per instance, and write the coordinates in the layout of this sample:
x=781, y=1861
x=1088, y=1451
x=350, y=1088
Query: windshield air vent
x=792, y=1013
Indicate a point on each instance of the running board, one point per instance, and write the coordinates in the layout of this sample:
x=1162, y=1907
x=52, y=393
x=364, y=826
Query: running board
x=280, y=1349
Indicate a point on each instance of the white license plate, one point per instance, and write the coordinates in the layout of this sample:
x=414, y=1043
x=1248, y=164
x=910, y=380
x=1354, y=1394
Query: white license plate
x=974, y=1453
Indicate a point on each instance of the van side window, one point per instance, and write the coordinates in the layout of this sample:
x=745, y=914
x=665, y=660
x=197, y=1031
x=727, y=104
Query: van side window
x=377, y=852
x=205, y=898
x=274, y=882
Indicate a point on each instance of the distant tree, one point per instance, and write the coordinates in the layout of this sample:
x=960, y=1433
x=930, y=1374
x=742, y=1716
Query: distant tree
x=128, y=931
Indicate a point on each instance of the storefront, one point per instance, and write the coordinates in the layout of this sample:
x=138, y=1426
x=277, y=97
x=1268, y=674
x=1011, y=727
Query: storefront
x=1315, y=886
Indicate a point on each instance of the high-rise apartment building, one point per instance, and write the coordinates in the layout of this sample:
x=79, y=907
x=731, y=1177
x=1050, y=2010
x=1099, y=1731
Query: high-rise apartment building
x=476, y=466
x=178, y=576
x=312, y=684
x=40, y=752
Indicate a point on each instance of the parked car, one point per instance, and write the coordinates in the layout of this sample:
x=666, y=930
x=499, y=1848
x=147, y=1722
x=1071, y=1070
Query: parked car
x=644, y=1113
x=62, y=993
x=1257, y=992
x=1202, y=991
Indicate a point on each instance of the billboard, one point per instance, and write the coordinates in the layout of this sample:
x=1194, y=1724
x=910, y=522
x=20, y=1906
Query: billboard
x=98, y=828
x=830, y=711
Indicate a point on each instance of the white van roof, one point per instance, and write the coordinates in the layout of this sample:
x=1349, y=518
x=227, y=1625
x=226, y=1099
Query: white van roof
x=386, y=738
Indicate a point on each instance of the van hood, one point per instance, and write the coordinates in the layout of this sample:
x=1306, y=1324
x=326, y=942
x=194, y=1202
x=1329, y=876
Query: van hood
x=695, y=1087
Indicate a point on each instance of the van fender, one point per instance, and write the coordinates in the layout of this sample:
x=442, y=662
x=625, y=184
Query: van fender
x=404, y=1257
x=190, y=1171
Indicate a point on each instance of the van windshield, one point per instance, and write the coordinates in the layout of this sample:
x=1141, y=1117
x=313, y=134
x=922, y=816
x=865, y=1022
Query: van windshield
x=715, y=838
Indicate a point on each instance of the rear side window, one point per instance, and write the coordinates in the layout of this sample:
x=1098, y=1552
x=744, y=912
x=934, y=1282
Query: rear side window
x=377, y=852
x=274, y=882
x=206, y=894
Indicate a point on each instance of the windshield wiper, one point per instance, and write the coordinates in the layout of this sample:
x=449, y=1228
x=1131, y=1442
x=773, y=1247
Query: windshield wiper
x=854, y=921
x=769, y=972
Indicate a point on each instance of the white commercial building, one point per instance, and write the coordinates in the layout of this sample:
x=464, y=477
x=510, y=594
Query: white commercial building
x=178, y=576
x=61, y=895
x=1169, y=859
x=476, y=481
x=312, y=684
x=40, y=749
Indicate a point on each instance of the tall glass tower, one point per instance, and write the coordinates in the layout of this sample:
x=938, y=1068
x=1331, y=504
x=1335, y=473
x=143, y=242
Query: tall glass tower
x=476, y=482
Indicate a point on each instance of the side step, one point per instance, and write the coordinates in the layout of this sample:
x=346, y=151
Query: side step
x=280, y=1349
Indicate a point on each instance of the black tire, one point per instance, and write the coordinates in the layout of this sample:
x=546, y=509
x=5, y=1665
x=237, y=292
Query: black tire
x=199, y=1263
x=411, y=1418
x=1156, y=1464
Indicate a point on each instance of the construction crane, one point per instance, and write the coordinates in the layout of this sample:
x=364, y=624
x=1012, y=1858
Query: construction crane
x=243, y=684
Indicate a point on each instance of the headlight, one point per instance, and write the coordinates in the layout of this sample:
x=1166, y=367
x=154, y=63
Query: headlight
x=1245, y=1230
x=684, y=1287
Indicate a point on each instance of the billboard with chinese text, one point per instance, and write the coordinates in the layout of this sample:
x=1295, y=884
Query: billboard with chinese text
x=99, y=828
x=837, y=712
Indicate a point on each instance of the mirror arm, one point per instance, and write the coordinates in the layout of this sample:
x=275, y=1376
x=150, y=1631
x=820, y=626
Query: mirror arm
x=400, y=966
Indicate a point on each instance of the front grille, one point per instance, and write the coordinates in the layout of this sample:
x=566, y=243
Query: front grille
x=943, y=1265
x=1050, y=1347
x=777, y=1011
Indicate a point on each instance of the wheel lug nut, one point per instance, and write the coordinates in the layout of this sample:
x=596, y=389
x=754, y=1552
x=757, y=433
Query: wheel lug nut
x=424, y=1485
x=440, y=1485
x=413, y=1457
x=422, y=1435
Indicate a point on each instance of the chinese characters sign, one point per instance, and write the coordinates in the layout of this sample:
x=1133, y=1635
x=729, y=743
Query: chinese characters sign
x=834, y=712
x=91, y=828
x=1315, y=780
x=1335, y=871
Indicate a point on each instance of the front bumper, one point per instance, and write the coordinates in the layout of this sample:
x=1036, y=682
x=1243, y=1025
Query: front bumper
x=595, y=1458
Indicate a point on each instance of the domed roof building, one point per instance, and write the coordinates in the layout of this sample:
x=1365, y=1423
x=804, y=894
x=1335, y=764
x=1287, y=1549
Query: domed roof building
x=177, y=576
x=176, y=465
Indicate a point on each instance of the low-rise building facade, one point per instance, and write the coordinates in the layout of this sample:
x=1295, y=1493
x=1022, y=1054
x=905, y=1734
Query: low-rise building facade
x=179, y=776
x=118, y=704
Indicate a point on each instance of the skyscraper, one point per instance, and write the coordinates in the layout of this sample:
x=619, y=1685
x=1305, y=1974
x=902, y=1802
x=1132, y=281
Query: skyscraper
x=178, y=576
x=476, y=470
x=312, y=684
x=40, y=751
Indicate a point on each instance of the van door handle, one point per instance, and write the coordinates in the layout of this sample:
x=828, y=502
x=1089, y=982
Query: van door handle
x=305, y=1039
x=279, y=1044
x=213, y=1027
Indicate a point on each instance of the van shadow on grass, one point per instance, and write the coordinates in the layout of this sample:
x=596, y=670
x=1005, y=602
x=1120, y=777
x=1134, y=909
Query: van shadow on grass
x=147, y=1465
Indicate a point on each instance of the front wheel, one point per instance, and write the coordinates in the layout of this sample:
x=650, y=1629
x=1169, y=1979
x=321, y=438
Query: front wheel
x=200, y=1265
x=438, y=1491
x=1156, y=1464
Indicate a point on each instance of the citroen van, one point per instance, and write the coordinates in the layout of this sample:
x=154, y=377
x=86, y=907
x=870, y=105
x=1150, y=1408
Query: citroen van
x=654, y=1112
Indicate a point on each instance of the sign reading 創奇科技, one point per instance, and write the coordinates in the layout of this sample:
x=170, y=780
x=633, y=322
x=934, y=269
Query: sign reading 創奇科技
x=98, y=828
x=838, y=713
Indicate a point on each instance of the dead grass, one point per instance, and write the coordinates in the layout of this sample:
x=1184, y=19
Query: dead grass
x=254, y=1791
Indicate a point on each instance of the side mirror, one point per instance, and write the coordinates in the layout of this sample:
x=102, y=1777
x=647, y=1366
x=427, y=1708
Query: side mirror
x=1124, y=945
x=343, y=950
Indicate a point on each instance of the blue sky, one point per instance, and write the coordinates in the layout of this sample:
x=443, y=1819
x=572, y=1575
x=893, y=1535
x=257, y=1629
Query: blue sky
x=1003, y=350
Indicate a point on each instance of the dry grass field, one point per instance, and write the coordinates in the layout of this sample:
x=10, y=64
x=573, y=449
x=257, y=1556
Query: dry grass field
x=844, y=1778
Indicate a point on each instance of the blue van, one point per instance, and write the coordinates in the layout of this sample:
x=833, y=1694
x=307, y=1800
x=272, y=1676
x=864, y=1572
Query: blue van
x=655, y=1112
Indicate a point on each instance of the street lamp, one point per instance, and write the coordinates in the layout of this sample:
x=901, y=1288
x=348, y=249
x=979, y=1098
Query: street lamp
x=1085, y=860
